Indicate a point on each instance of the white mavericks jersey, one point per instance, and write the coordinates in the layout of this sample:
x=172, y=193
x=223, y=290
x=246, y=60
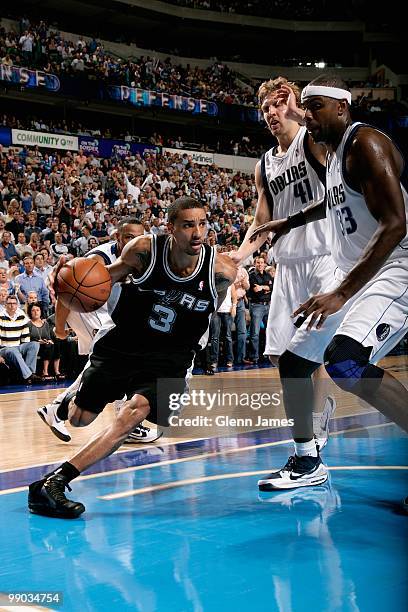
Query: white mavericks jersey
x=87, y=324
x=351, y=224
x=293, y=181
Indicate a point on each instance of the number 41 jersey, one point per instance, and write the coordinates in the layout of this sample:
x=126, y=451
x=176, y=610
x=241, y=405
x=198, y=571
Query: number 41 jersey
x=292, y=182
x=162, y=312
x=351, y=225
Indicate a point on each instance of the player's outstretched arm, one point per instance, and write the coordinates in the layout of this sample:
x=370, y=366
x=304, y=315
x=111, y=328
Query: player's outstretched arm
x=262, y=216
x=225, y=274
x=135, y=259
x=280, y=227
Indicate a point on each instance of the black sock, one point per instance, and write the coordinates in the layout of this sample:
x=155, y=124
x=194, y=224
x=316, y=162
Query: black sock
x=62, y=410
x=67, y=470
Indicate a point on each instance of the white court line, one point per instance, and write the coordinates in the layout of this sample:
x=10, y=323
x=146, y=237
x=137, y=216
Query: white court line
x=193, y=458
x=130, y=449
x=139, y=447
x=191, y=481
x=137, y=468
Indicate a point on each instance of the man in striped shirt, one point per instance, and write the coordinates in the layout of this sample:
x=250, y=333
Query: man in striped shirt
x=16, y=349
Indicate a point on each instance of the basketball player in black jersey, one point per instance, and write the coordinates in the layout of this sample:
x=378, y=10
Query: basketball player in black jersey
x=175, y=283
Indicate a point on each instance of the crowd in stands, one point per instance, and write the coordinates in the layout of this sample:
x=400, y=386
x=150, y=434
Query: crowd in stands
x=236, y=146
x=54, y=203
x=39, y=45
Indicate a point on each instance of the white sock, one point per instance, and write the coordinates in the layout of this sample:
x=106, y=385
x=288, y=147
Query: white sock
x=57, y=400
x=306, y=449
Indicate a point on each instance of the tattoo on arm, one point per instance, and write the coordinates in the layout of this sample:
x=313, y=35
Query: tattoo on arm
x=142, y=261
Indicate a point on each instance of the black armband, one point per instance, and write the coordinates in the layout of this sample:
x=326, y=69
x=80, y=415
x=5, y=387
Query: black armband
x=296, y=220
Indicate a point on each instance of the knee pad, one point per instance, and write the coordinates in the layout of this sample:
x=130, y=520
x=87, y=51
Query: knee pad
x=293, y=366
x=347, y=363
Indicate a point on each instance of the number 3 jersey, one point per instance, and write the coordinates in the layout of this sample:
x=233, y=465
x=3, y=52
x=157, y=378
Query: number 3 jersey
x=293, y=181
x=351, y=225
x=160, y=311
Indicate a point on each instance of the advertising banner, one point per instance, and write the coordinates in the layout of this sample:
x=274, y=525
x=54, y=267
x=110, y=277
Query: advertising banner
x=104, y=147
x=29, y=78
x=44, y=140
x=145, y=97
x=198, y=157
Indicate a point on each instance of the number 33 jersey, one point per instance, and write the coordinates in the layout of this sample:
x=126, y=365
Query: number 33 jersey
x=351, y=225
x=160, y=311
x=292, y=182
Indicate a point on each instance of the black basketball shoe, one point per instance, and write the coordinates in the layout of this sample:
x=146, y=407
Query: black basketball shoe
x=47, y=497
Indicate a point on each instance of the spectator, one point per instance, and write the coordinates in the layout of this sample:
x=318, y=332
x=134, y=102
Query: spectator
x=43, y=202
x=31, y=281
x=51, y=231
x=66, y=233
x=41, y=268
x=100, y=233
x=6, y=282
x=34, y=243
x=26, y=201
x=40, y=332
x=223, y=319
x=22, y=247
x=3, y=261
x=260, y=292
x=8, y=247
x=16, y=348
x=81, y=243
x=92, y=242
x=31, y=227
x=241, y=285
x=16, y=225
x=58, y=248
x=3, y=297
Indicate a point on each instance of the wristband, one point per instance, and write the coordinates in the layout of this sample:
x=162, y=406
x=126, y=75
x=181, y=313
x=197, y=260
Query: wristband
x=296, y=220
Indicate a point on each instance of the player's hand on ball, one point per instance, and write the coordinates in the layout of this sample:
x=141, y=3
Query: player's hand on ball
x=84, y=284
x=320, y=307
x=52, y=288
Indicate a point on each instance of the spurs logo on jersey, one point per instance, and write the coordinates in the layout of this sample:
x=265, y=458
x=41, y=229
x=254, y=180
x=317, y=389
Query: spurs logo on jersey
x=347, y=211
x=171, y=312
x=291, y=182
x=183, y=299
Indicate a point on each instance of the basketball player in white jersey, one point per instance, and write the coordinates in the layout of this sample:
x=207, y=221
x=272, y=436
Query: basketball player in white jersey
x=87, y=324
x=288, y=177
x=364, y=314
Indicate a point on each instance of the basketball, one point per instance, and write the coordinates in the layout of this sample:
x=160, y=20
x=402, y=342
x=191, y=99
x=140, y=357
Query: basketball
x=83, y=284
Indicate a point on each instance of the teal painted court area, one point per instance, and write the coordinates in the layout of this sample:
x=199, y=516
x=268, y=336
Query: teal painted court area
x=196, y=535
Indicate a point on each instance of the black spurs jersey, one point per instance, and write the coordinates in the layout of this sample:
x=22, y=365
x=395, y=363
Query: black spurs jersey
x=162, y=312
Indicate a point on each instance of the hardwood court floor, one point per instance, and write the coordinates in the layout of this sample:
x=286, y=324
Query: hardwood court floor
x=26, y=441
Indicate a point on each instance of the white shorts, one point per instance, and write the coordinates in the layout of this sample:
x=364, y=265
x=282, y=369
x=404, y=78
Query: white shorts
x=377, y=316
x=86, y=325
x=294, y=284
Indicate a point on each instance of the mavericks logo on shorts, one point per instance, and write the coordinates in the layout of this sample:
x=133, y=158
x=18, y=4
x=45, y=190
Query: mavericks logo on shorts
x=382, y=331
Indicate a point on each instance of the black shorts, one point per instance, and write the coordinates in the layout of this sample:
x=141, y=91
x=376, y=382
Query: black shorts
x=155, y=376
